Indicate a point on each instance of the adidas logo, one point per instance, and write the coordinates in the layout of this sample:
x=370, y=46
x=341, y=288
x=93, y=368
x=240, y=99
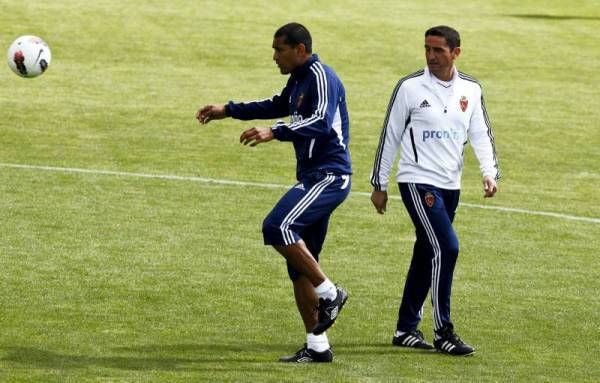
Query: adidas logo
x=410, y=341
x=424, y=104
x=299, y=186
x=448, y=346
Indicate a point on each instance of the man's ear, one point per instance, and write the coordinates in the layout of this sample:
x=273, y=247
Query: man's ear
x=456, y=52
x=301, y=49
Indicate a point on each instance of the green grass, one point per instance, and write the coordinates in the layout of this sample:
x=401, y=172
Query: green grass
x=118, y=278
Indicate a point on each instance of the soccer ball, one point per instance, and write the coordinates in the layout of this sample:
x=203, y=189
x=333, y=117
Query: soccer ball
x=29, y=56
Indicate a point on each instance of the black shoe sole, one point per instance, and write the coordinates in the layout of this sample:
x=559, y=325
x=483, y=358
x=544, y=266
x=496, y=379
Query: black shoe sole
x=426, y=347
x=450, y=354
x=281, y=360
x=319, y=358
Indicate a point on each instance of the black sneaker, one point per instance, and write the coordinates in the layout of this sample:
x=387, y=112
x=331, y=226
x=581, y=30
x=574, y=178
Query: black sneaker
x=306, y=355
x=413, y=339
x=449, y=343
x=329, y=311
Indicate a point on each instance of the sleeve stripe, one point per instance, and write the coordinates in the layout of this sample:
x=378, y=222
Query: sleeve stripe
x=490, y=134
x=486, y=118
x=317, y=69
x=375, y=181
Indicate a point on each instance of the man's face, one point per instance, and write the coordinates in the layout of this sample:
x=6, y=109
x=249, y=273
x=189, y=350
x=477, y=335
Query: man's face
x=285, y=56
x=440, y=59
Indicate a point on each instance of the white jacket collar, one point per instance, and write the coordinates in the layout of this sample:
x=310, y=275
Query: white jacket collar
x=429, y=79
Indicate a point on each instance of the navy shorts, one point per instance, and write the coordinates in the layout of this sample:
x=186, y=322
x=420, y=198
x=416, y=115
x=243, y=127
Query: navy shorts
x=303, y=212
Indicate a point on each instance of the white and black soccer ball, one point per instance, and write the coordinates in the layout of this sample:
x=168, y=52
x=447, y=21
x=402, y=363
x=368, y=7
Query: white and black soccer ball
x=29, y=56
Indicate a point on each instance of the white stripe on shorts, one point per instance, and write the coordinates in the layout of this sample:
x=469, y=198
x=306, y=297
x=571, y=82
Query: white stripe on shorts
x=301, y=206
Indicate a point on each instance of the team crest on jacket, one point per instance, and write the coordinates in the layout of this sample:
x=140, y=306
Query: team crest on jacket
x=299, y=101
x=463, y=103
x=429, y=199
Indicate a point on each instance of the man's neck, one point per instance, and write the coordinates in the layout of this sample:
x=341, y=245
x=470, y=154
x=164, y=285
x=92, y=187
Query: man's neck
x=304, y=59
x=445, y=76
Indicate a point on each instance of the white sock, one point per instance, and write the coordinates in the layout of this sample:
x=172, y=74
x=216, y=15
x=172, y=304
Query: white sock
x=318, y=343
x=326, y=290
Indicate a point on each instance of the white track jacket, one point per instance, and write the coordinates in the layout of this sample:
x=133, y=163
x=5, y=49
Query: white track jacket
x=432, y=127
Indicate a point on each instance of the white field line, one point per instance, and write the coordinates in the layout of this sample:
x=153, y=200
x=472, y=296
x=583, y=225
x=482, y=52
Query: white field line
x=272, y=186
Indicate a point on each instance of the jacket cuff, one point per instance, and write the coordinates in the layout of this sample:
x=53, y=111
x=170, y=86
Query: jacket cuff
x=278, y=130
x=277, y=133
x=494, y=174
x=228, y=108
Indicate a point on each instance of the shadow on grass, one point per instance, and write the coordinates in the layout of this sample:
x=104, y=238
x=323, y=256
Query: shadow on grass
x=349, y=348
x=185, y=357
x=201, y=357
x=554, y=17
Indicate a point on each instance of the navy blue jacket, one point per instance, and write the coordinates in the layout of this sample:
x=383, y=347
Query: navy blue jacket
x=315, y=99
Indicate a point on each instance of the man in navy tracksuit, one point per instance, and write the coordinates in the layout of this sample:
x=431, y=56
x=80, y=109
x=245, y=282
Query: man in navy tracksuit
x=315, y=99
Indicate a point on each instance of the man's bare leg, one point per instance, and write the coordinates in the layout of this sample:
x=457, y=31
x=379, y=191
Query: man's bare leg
x=332, y=298
x=298, y=255
x=307, y=301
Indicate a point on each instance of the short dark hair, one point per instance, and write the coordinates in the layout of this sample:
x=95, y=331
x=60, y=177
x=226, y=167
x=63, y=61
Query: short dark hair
x=294, y=34
x=450, y=34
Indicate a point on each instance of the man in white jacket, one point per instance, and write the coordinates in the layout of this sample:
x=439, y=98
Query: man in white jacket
x=431, y=116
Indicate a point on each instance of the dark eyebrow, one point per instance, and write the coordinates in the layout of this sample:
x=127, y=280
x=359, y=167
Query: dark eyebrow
x=438, y=48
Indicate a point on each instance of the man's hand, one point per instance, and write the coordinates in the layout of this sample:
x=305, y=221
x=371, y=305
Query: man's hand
x=489, y=187
x=210, y=112
x=256, y=135
x=379, y=199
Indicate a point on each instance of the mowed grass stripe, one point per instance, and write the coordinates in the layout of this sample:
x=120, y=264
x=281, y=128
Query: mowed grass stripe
x=274, y=186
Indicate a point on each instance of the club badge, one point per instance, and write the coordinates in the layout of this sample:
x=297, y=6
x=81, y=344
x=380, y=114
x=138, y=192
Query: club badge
x=464, y=103
x=299, y=101
x=429, y=199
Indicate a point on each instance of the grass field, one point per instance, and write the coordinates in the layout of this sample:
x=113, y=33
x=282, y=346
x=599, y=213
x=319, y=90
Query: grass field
x=111, y=273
